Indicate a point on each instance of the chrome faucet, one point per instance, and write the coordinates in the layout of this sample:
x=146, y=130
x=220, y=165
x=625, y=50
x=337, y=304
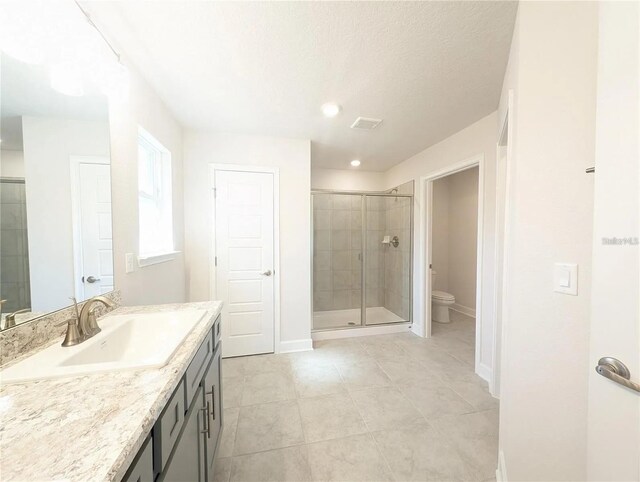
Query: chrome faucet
x=87, y=321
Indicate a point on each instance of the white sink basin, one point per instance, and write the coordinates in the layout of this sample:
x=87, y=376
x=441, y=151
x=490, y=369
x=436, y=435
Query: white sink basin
x=133, y=341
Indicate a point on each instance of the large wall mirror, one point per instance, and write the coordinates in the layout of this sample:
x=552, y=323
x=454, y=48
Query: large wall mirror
x=55, y=193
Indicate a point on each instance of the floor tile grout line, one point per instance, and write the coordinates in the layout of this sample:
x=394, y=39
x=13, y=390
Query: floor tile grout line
x=304, y=435
x=364, y=421
x=384, y=457
x=274, y=449
x=477, y=409
x=369, y=432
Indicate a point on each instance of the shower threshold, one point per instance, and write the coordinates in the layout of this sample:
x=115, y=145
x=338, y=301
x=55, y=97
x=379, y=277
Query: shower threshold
x=377, y=315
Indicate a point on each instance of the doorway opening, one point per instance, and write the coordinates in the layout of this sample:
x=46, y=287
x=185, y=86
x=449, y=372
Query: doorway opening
x=453, y=217
x=454, y=241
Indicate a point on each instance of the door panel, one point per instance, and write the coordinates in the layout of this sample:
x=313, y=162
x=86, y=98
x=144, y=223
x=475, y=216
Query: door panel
x=95, y=229
x=387, y=267
x=187, y=463
x=244, y=246
x=337, y=260
x=614, y=411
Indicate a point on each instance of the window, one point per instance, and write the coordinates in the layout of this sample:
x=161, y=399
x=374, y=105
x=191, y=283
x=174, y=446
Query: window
x=155, y=217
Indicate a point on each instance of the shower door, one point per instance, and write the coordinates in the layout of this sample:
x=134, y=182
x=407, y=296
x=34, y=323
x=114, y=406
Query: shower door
x=337, y=260
x=387, y=259
x=361, y=240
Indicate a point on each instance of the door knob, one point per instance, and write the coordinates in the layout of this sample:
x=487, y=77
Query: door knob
x=616, y=371
x=267, y=273
x=92, y=279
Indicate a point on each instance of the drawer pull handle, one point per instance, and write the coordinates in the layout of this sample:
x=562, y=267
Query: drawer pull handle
x=207, y=425
x=213, y=401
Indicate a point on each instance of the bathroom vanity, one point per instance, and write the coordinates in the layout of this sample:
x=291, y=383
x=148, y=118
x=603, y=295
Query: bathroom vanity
x=183, y=442
x=155, y=423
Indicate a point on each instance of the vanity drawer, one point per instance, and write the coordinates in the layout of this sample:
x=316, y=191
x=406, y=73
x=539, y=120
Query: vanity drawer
x=217, y=331
x=168, y=426
x=196, y=369
x=141, y=469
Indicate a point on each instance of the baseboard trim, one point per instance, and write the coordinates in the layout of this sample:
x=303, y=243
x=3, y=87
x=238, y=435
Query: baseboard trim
x=296, y=345
x=355, y=332
x=484, y=372
x=465, y=310
x=501, y=471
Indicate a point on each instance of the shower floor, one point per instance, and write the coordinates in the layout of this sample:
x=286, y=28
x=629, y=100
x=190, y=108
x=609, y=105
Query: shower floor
x=376, y=315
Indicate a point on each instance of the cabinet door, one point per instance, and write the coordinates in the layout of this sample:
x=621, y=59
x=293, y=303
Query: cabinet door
x=141, y=469
x=187, y=463
x=213, y=396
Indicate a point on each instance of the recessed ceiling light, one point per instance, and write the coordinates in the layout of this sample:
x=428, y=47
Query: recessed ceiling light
x=330, y=109
x=355, y=163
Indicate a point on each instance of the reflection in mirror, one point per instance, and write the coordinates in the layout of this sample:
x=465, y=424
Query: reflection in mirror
x=55, y=195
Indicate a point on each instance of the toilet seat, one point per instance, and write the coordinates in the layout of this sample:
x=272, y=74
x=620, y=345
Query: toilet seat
x=442, y=295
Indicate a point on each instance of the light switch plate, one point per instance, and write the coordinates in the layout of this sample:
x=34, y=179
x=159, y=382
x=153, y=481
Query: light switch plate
x=565, y=278
x=128, y=263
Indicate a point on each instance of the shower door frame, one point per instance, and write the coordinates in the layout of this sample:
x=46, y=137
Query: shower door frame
x=363, y=250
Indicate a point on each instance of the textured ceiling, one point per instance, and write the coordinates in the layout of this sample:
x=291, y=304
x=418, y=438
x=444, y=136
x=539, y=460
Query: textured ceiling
x=427, y=68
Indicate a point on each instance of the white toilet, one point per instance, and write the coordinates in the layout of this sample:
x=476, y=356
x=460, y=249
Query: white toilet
x=440, y=302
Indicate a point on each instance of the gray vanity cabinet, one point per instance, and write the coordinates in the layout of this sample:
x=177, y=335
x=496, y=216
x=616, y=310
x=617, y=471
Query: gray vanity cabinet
x=213, y=403
x=187, y=462
x=141, y=469
x=186, y=436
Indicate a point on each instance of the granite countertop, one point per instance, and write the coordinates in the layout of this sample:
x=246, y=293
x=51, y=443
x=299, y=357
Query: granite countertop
x=90, y=427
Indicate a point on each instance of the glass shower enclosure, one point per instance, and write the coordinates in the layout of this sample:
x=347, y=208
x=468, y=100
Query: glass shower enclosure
x=362, y=250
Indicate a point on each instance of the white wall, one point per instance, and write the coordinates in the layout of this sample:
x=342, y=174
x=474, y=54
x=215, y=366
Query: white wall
x=478, y=139
x=454, y=236
x=48, y=145
x=440, y=233
x=347, y=180
x=160, y=283
x=552, y=71
x=11, y=163
x=463, y=237
x=292, y=157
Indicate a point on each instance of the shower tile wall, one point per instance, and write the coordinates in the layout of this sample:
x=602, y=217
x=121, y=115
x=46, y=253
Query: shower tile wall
x=14, y=257
x=337, y=241
x=375, y=254
x=397, y=274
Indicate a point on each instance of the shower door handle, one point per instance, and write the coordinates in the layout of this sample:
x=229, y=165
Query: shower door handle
x=267, y=273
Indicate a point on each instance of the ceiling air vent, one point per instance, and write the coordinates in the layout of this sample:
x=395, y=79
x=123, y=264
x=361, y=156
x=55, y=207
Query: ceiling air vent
x=366, y=123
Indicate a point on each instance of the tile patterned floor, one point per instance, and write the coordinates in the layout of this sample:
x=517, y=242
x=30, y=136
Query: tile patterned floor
x=390, y=407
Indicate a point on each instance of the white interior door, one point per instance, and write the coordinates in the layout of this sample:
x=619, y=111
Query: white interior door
x=614, y=410
x=96, y=242
x=501, y=183
x=244, y=247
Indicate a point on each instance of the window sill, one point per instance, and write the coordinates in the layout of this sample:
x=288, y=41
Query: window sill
x=151, y=259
